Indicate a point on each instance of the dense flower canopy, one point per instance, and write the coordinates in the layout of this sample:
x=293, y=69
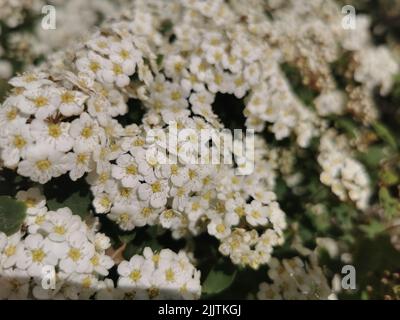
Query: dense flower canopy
x=74, y=117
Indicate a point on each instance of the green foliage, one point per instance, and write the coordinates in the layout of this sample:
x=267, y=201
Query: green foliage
x=219, y=278
x=63, y=192
x=384, y=133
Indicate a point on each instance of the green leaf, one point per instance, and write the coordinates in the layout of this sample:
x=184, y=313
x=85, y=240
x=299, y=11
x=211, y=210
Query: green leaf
x=373, y=156
x=78, y=202
x=389, y=203
x=372, y=229
x=385, y=134
x=389, y=177
x=12, y=214
x=219, y=279
x=127, y=238
x=347, y=125
x=160, y=59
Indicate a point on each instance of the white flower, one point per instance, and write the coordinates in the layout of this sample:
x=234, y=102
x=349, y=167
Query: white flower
x=60, y=224
x=126, y=55
x=100, y=263
x=102, y=203
x=30, y=80
x=126, y=170
x=42, y=163
x=9, y=112
x=218, y=228
x=82, y=162
x=55, y=135
x=85, y=131
x=15, y=141
x=116, y=73
x=71, y=102
x=101, y=242
x=124, y=215
x=14, y=284
x=12, y=249
x=136, y=273
x=93, y=65
x=256, y=213
x=42, y=103
x=77, y=254
x=156, y=191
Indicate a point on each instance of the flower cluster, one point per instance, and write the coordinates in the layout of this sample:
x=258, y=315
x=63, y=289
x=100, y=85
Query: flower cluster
x=76, y=251
x=294, y=279
x=173, y=60
x=345, y=175
x=162, y=275
x=58, y=240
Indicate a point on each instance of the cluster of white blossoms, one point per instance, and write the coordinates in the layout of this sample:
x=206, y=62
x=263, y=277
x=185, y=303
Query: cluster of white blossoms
x=52, y=239
x=60, y=241
x=162, y=275
x=12, y=12
x=73, y=19
x=346, y=176
x=295, y=279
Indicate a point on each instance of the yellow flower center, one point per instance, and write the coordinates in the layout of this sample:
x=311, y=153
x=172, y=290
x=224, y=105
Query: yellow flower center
x=153, y=292
x=95, y=260
x=239, y=211
x=195, y=206
x=218, y=79
x=30, y=78
x=220, y=228
x=105, y=202
x=117, y=68
x=39, y=219
x=87, y=132
x=38, y=255
x=178, y=67
x=124, y=217
x=131, y=169
x=174, y=169
x=170, y=275
x=60, y=230
x=10, y=250
x=138, y=142
x=255, y=214
x=156, y=258
x=146, y=211
x=125, y=192
x=81, y=158
x=43, y=165
x=156, y=187
x=67, y=97
x=94, y=66
x=86, y=282
x=135, y=275
x=192, y=174
x=30, y=202
x=124, y=54
x=74, y=254
x=176, y=95
x=169, y=214
x=103, y=177
x=40, y=101
x=12, y=114
x=19, y=142
x=54, y=130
